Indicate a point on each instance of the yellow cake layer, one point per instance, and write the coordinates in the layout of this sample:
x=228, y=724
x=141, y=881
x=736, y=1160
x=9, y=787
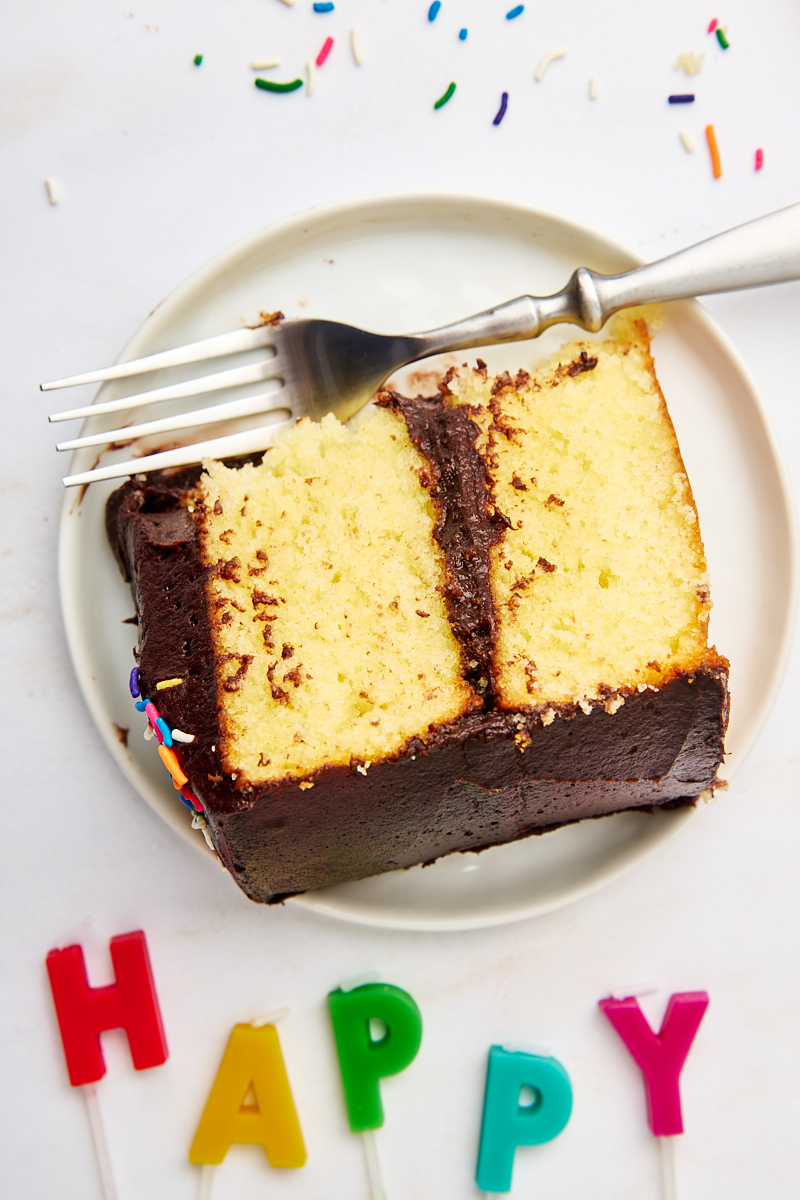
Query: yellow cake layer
x=328, y=619
x=600, y=584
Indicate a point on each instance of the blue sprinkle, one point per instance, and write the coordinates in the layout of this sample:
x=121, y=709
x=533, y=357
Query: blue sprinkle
x=165, y=731
x=188, y=803
x=501, y=112
x=463, y=35
x=141, y=705
x=434, y=10
x=134, y=683
x=515, y=12
x=323, y=7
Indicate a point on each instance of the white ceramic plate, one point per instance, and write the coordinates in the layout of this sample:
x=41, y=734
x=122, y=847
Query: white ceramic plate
x=408, y=262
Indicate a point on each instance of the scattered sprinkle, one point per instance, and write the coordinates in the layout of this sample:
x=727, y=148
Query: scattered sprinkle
x=288, y=3
x=681, y=98
x=515, y=12
x=327, y=46
x=550, y=57
x=689, y=62
x=265, y=64
x=759, y=159
x=443, y=99
x=133, y=682
x=179, y=736
x=166, y=732
x=711, y=138
x=268, y=86
x=462, y=34
x=433, y=11
x=311, y=77
x=723, y=41
x=168, y=683
x=501, y=112
x=148, y=733
x=593, y=88
x=713, y=25
x=52, y=190
x=688, y=141
x=355, y=46
x=198, y=58
x=321, y=8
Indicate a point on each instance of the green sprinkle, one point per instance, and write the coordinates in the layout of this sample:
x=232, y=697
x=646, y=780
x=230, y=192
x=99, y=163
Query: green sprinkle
x=198, y=58
x=723, y=41
x=443, y=99
x=269, y=86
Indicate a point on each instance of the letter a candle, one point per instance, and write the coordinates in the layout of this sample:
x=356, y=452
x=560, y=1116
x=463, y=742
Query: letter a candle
x=364, y=1060
x=660, y=1058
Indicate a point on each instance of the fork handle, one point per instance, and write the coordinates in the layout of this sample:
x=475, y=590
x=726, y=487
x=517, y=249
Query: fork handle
x=763, y=251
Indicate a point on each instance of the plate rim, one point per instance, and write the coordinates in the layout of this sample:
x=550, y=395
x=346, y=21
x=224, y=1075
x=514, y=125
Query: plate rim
x=380, y=203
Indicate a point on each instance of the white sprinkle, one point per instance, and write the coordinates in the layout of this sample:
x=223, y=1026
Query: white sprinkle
x=199, y=822
x=179, y=736
x=528, y=1048
x=593, y=88
x=551, y=56
x=688, y=141
x=349, y=985
x=638, y=989
x=689, y=62
x=355, y=46
x=52, y=190
x=265, y=64
x=270, y=1017
x=311, y=72
x=148, y=732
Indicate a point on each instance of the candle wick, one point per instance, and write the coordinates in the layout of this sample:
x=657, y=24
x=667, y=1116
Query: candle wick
x=668, y=1168
x=376, y=1189
x=100, y=1143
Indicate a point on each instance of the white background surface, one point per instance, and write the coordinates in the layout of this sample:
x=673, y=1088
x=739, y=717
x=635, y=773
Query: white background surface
x=160, y=165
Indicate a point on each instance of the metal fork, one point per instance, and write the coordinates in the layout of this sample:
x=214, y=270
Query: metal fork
x=323, y=366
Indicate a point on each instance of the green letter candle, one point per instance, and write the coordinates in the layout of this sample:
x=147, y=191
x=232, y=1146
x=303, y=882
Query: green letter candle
x=362, y=1060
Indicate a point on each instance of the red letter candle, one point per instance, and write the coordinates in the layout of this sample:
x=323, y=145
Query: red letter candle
x=661, y=1056
x=84, y=1012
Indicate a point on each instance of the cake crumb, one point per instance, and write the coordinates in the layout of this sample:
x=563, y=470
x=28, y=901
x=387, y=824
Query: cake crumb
x=548, y=716
x=585, y=706
x=614, y=704
x=690, y=62
x=305, y=785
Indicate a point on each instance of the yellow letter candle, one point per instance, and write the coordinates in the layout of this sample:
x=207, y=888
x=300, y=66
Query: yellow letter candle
x=253, y=1059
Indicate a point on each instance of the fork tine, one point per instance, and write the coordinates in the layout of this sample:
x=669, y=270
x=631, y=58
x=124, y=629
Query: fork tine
x=230, y=446
x=253, y=373
x=213, y=347
x=247, y=407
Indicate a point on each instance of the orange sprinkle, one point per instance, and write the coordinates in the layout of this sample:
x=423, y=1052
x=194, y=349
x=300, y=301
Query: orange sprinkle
x=170, y=761
x=716, y=165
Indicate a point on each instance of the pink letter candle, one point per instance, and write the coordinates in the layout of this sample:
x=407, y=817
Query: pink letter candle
x=84, y=1012
x=661, y=1056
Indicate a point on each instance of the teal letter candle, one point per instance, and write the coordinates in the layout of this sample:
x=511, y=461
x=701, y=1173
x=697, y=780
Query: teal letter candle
x=507, y=1123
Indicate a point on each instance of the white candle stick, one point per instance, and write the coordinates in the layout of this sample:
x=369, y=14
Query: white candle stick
x=206, y=1179
x=100, y=1143
x=668, y=1168
x=376, y=1189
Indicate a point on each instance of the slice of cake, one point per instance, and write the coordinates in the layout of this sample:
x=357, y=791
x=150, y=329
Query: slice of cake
x=473, y=617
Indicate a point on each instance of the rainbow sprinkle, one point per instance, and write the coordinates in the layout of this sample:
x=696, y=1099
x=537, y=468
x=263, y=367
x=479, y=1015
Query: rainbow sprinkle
x=682, y=98
x=433, y=11
x=268, y=85
x=515, y=12
x=323, y=8
x=713, y=149
x=759, y=159
x=133, y=683
x=501, y=112
x=327, y=46
x=440, y=103
x=712, y=25
x=462, y=35
x=158, y=728
x=198, y=58
x=723, y=41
